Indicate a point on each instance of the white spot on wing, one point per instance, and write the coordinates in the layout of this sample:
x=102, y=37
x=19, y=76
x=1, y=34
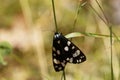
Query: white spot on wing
x=82, y=57
x=57, y=35
x=71, y=60
x=56, y=66
x=73, y=47
x=77, y=61
x=74, y=55
x=66, y=48
x=56, y=61
x=63, y=64
x=58, y=52
x=54, y=49
x=77, y=53
x=60, y=68
x=68, y=59
x=58, y=41
x=68, y=43
x=80, y=60
x=54, y=54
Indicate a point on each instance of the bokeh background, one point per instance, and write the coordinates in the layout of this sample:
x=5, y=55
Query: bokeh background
x=28, y=26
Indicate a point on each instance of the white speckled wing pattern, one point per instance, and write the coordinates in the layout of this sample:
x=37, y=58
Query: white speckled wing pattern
x=65, y=51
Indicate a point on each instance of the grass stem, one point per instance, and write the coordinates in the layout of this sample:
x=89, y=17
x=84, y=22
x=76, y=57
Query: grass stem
x=112, y=74
x=54, y=15
x=64, y=75
x=80, y=5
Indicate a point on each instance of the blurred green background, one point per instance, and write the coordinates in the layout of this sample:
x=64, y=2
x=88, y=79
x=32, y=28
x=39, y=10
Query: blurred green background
x=27, y=26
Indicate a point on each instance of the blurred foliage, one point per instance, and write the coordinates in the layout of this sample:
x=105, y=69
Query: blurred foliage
x=8, y=9
x=5, y=49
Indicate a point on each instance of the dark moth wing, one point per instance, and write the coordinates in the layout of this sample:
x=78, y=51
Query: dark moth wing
x=65, y=51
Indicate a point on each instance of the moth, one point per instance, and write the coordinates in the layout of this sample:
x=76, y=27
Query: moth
x=64, y=51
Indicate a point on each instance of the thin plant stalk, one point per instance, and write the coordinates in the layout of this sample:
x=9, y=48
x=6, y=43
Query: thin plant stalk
x=102, y=11
x=54, y=15
x=110, y=28
x=77, y=13
x=75, y=19
x=112, y=74
x=64, y=75
x=98, y=14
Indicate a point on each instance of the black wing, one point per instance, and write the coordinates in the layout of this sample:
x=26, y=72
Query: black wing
x=65, y=51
